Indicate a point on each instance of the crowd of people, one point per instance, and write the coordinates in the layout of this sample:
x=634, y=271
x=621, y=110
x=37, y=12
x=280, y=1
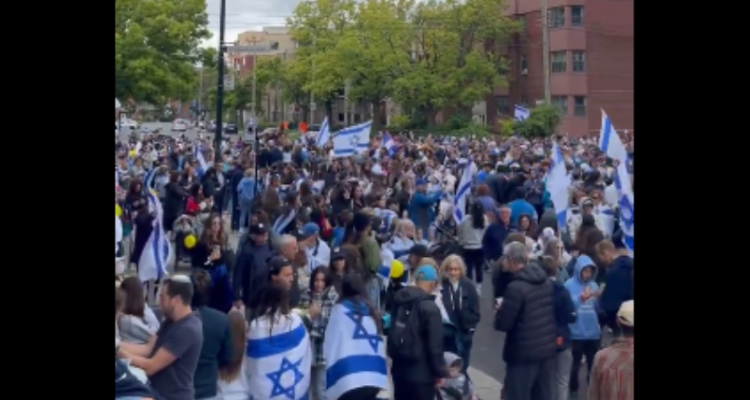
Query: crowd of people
x=355, y=277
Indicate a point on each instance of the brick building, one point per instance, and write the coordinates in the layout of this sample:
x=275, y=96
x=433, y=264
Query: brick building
x=591, y=63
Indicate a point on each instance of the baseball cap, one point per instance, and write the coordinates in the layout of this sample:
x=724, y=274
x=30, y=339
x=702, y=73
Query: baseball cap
x=308, y=230
x=418, y=250
x=258, y=229
x=337, y=254
x=426, y=273
x=276, y=263
x=626, y=315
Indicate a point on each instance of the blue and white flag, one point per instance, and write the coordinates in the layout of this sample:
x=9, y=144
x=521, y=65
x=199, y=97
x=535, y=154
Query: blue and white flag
x=354, y=351
x=324, y=134
x=462, y=194
x=283, y=221
x=352, y=140
x=558, y=186
x=521, y=113
x=201, y=159
x=611, y=145
x=278, y=358
x=158, y=251
x=389, y=143
x=148, y=180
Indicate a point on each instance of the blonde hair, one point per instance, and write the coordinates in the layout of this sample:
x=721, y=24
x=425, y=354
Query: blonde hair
x=403, y=223
x=453, y=258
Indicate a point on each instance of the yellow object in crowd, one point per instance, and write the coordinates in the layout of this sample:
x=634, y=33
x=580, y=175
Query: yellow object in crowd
x=118, y=210
x=397, y=269
x=190, y=241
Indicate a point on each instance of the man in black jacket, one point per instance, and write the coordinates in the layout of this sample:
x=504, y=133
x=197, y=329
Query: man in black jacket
x=417, y=379
x=526, y=313
x=250, y=270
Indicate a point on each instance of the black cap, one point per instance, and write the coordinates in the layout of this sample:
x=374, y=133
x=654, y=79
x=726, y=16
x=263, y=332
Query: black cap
x=419, y=250
x=276, y=263
x=258, y=229
x=337, y=254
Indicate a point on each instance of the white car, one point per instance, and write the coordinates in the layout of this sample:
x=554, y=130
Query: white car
x=179, y=126
x=129, y=123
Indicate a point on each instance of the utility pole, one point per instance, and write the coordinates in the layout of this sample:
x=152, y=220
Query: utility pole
x=200, y=94
x=312, y=95
x=347, y=88
x=220, y=80
x=545, y=51
x=255, y=80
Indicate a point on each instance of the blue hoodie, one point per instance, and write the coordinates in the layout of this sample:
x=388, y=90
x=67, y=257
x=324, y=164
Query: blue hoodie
x=587, y=325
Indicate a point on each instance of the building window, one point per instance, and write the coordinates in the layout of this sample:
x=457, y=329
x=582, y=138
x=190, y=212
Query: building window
x=557, y=17
x=522, y=20
x=579, y=61
x=559, y=63
x=524, y=100
x=524, y=63
x=580, y=106
x=274, y=45
x=503, y=105
x=561, y=102
x=576, y=15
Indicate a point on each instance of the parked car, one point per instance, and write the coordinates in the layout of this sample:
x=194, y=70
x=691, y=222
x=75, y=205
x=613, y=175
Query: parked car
x=230, y=129
x=179, y=126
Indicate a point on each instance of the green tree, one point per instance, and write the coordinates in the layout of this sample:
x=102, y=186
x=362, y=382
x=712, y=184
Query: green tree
x=156, y=48
x=542, y=122
x=455, y=61
x=317, y=26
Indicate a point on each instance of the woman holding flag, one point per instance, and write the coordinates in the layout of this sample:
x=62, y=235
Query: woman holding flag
x=210, y=253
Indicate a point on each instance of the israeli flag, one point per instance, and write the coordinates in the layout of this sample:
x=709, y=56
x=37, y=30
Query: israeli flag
x=148, y=180
x=354, y=351
x=611, y=145
x=558, y=186
x=352, y=140
x=201, y=160
x=521, y=113
x=283, y=221
x=462, y=195
x=278, y=358
x=158, y=251
x=324, y=134
x=389, y=143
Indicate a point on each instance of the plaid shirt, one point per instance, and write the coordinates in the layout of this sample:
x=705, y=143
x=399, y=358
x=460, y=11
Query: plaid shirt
x=612, y=376
x=327, y=299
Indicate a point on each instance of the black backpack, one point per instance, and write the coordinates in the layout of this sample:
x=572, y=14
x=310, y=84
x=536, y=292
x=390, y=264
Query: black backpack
x=404, y=341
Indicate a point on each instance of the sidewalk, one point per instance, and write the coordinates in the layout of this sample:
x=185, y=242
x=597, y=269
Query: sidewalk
x=485, y=386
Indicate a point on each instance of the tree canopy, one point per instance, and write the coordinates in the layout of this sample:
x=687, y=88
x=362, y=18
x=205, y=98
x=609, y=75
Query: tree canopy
x=423, y=55
x=156, y=48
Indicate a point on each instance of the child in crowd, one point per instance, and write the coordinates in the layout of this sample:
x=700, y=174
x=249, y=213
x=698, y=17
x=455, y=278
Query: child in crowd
x=457, y=386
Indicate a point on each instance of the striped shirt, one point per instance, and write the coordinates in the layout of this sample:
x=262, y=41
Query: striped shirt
x=612, y=376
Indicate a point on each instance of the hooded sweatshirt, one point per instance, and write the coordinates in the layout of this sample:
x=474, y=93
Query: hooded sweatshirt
x=587, y=325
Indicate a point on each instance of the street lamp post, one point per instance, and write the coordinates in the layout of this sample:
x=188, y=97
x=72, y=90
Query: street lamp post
x=220, y=80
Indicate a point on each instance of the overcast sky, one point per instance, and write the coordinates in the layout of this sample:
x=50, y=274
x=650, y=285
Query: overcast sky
x=243, y=15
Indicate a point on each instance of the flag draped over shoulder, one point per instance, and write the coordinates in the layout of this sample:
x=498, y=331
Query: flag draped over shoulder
x=354, y=351
x=462, y=195
x=279, y=358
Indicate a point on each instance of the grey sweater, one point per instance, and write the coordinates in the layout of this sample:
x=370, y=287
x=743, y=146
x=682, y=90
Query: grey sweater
x=468, y=237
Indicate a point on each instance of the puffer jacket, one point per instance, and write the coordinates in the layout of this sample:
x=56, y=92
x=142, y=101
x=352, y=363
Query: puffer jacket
x=527, y=316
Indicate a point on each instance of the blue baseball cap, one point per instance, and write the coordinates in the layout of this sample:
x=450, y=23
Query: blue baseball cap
x=426, y=273
x=308, y=230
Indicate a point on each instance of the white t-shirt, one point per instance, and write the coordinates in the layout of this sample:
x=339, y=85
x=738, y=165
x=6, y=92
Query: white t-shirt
x=238, y=389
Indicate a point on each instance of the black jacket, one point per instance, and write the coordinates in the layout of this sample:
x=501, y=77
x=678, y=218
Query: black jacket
x=431, y=367
x=462, y=307
x=250, y=270
x=527, y=316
